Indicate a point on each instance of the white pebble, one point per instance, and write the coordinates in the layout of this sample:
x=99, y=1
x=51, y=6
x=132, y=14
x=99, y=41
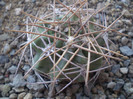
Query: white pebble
x=124, y=70
x=18, y=11
x=6, y=48
x=8, y=7
x=27, y=0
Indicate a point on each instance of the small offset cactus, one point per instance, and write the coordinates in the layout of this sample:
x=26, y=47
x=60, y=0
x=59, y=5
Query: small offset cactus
x=68, y=43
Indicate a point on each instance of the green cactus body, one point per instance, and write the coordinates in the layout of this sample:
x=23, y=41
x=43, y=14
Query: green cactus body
x=46, y=64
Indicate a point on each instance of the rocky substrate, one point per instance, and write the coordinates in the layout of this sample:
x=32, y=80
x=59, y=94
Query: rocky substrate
x=115, y=82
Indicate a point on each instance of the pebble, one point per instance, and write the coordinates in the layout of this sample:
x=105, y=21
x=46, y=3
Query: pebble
x=12, y=52
x=122, y=97
x=18, y=81
x=38, y=95
x=12, y=69
x=28, y=96
x=118, y=85
x=31, y=79
x=8, y=7
x=5, y=89
x=27, y=0
x=130, y=34
x=4, y=59
x=21, y=95
x=126, y=51
x=124, y=40
x=6, y=48
x=127, y=62
x=111, y=85
x=4, y=37
x=128, y=88
x=18, y=90
x=26, y=68
x=131, y=69
x=13, y=96
x=18, y=11
x=1, y=77
x=2, y=3
x=124, y=70
x=115, y=68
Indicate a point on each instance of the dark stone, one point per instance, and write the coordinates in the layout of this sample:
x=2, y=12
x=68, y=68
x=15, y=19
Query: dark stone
x=115, y=68
x=118, y=85
x=4, y=59
x=127, y=62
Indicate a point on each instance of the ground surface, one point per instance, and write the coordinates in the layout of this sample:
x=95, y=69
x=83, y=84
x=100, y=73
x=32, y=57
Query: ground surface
x=113, y=83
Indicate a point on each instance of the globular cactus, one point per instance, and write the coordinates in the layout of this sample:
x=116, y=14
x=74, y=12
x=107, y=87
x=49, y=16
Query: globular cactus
x=68, y=44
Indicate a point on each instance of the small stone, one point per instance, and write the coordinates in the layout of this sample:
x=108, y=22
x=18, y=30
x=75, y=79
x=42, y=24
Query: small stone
x=118, y=85
x=4, y=59
x=111, y=85
x=115, y=68
x=128, y=88
x=126, y=63
x=131, y=69
x=21, y=95
x=4, y=37
x=130, y=34
x=124, y=70
x=6, y=48
x=2, y=3
x=6, y=88
x=124, y=40
x=31, y=79
x=18, y=90
x=126, y=50
x=1, y=77
x=26, y=68
x=13, y=96
x=122, y=97
x=18, y=11
x=8, y=7
x=33, y=1
x=12, y=69
x=18, y=81
x=27, y=0
x=38, y=95
x=12, y=52
x=28, y=96
x=118, y=74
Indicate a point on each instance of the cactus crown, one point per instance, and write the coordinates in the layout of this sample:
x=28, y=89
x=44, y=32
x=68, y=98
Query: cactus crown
x=68, y=42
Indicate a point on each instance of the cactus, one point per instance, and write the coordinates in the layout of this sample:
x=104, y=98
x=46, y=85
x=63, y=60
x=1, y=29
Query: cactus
x=70, y=54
